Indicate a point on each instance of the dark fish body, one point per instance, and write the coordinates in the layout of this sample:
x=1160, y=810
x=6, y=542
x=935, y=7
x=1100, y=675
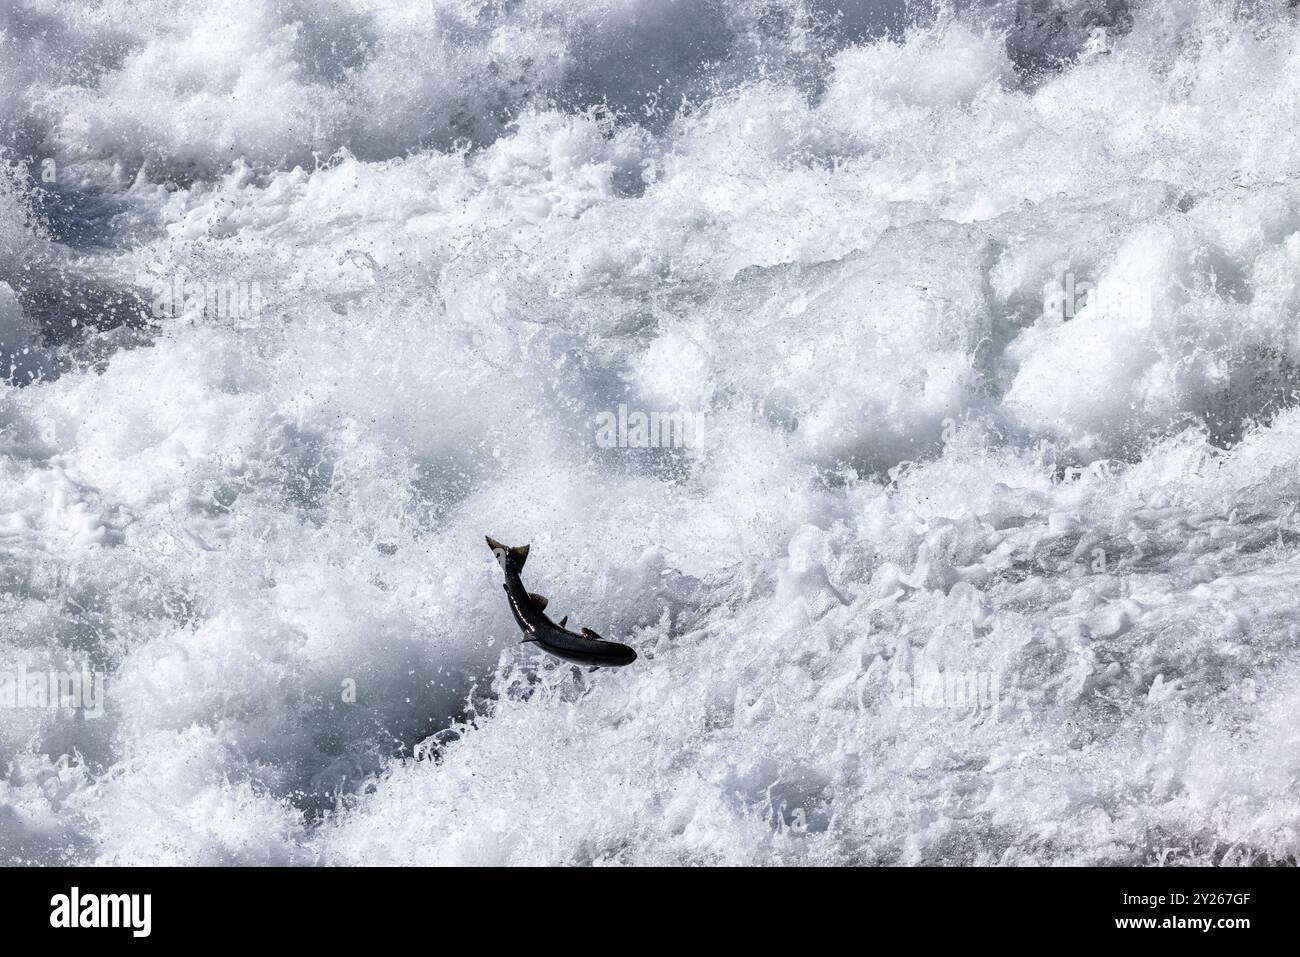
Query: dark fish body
x=587, y=648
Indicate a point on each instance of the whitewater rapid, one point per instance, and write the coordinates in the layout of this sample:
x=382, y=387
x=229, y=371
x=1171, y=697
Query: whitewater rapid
x=987, y=315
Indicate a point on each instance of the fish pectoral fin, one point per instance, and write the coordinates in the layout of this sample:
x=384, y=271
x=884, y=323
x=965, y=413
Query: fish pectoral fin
x=539, y=600
x=588, y=633
x=525, y=641
x=564, y=621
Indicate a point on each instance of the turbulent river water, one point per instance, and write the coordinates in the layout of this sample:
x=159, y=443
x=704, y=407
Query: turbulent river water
x=966, y=530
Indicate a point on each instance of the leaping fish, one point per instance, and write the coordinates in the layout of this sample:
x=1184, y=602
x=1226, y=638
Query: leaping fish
x=587, y=648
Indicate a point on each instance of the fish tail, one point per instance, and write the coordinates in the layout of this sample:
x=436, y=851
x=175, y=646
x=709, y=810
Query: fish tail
x=511, y=559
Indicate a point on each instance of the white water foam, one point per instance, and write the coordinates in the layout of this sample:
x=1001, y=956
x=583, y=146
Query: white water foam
x=476, y=229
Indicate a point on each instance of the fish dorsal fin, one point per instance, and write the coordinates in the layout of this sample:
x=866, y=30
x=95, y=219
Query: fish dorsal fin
x=538, y=600
x=588, y=633
x=564, y=621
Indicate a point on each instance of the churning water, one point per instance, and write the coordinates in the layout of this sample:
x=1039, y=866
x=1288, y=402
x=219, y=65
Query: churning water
x=985, y=544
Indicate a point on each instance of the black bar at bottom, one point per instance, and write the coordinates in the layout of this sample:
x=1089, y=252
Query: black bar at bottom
x=368, y=906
